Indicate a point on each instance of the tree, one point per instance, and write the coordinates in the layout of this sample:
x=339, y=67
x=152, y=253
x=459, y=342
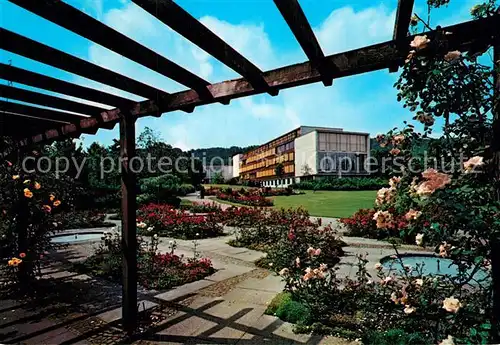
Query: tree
x=218, y=178
x=279, y=170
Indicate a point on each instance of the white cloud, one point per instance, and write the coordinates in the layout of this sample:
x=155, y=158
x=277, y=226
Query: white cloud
x=257, y=119
x=345, y=29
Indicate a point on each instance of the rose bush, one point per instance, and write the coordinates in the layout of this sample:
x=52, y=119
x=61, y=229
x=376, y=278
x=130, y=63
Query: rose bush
x=155, y=270
x=164, y=220
x=28, y=204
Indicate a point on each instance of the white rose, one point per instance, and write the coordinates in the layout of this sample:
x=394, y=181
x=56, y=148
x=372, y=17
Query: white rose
x=452, y=304
x=419, y=239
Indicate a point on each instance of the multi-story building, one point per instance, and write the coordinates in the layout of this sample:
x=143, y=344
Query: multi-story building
x=305, y=153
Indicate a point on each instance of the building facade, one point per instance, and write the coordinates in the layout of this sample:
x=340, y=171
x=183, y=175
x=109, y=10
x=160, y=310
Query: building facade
x=305, y=153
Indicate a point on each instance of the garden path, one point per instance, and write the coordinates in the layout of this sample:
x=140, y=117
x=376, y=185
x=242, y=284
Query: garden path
x=225, y=308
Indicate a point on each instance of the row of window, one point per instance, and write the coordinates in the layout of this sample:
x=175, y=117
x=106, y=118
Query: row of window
x=285, y=147
x=342, y=142
x=272, y=145
x=288, y=169
x=287, y=157
x=280, y=182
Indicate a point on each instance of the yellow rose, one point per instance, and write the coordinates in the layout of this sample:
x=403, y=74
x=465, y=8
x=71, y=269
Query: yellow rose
x=15, y=177
x=28, y=193
x=57, y=203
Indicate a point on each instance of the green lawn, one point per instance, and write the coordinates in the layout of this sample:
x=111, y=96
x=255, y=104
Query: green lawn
x=335, y=204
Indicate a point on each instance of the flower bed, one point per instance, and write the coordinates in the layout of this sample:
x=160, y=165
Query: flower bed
x=155, y=270
x=167, y=221
x=249, y=200
x=200, y=207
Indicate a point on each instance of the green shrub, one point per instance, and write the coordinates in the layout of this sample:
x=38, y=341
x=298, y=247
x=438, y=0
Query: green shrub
x=288, y=310
x=163, y=189
x=343, y=183
x=279, y=299
x=294, y=312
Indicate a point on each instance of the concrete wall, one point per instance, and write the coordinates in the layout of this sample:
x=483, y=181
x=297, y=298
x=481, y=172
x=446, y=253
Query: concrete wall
x=306, y=154
x=236, y=165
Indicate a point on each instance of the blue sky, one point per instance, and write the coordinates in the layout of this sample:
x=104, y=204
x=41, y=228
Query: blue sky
x=256, y=29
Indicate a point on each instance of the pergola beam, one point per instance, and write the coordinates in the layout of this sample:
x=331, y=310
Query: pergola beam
x=298, y=23
x=41, y=113
x=34, y=50
x=28, y=96
x=186, y=25
x=22, y=76
x=18, y=125
x=401, y=25
x=84, y=25
x=367, y=59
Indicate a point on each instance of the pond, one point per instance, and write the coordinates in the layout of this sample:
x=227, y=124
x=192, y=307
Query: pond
x=430, y=265
x=79, y=237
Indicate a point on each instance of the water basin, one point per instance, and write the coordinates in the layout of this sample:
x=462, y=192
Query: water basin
x=430, y=265
x=81, y=237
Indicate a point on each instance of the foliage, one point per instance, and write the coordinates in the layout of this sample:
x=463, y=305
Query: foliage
x=284, y=307
x=249, y=200
x=218, y=178
x=27, y=206
x=166, y=221
x=155, y=270
x=393, y=337
x=342, y=183
x=279, y=170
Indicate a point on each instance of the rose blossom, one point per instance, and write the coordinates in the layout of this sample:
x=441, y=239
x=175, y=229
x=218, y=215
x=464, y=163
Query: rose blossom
x=394, y=181
x=284, y=272
x=317, y=252
x=452, y=56
x=472, y=163
x=383, y=219
x=386, y=280
x=398, y=139
x=297, y=262
x=409, y=309
x=451, y=304
x=394, y=298
x=323, y=267
x=395, y=152
x=419, y=239
x=378, y=266
x=412, y=214
x=447, y=341
x=310, y=251
x=420, y=42
x=419, y=282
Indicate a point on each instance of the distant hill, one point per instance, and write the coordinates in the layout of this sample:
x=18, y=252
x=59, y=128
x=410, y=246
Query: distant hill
x=225, y=153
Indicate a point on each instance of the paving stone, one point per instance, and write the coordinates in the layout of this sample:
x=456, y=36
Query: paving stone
x=271, y=283
x=191, y=326
x=229, y=271
x=337, y=341
x=116, y=314
x=250, y=296
x=184, y=290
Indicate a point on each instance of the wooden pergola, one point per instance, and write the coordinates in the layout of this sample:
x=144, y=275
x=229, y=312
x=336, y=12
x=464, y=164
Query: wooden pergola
x=29, y=125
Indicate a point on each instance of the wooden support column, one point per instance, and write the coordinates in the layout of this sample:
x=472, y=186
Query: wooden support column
x=129, y=238
x=495, y=241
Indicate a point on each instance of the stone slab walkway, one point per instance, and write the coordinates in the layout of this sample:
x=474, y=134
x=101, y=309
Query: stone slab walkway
x=225, y=308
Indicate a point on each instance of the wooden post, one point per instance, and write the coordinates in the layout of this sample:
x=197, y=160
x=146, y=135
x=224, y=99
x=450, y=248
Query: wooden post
x=495, y=242
x=129, y=239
